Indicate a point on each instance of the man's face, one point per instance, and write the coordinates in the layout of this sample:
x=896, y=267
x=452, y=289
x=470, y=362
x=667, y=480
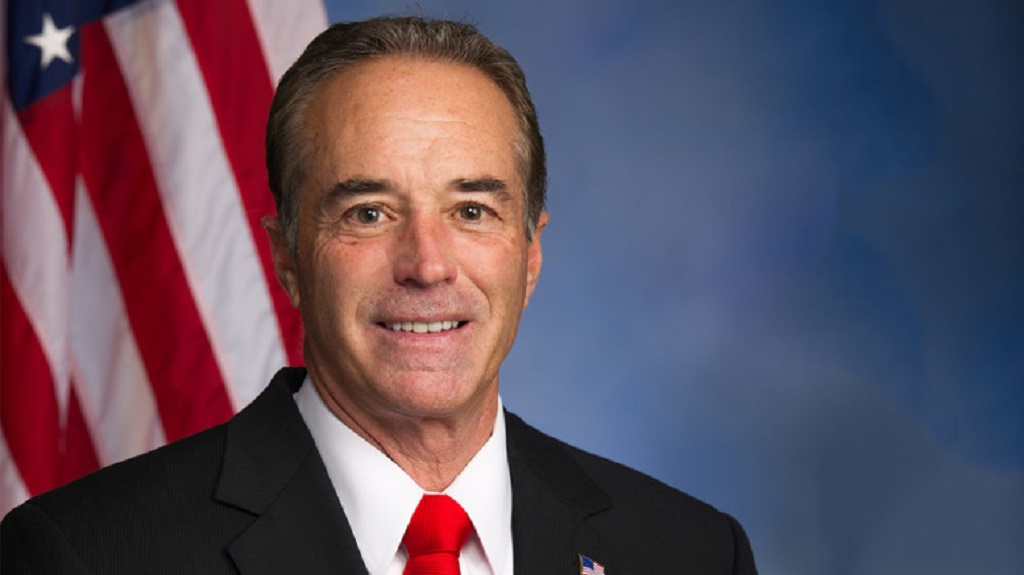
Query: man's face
x=412, y=266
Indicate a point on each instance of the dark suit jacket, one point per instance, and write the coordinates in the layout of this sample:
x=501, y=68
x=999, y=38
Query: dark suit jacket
x=252, y=496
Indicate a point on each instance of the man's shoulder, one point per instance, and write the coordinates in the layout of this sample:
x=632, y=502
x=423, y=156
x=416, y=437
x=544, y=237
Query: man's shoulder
x=134, y=500
x=654, y=523
x=187, y=466
x=625, y=483
x=156, y=504
x=121, y=514
x=620, y=482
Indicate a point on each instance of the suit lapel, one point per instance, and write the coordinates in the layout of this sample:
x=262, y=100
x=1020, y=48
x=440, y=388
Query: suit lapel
x=273, y=470
x=552, y=497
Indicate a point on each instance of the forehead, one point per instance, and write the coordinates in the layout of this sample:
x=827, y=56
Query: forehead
x=387, y=79
x=400, y=96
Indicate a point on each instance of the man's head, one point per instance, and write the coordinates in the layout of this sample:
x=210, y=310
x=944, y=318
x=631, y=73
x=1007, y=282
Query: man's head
x=346, y=44
x=406, y=246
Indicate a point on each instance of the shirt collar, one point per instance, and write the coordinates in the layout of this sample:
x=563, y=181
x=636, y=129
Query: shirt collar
x=379, y=498
x=484, y=490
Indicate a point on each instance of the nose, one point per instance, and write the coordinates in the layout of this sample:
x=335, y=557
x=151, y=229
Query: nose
x=424, y=257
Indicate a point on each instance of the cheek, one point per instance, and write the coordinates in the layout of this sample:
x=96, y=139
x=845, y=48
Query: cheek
x=326, y=273
x=500, y=273
x=345, y=274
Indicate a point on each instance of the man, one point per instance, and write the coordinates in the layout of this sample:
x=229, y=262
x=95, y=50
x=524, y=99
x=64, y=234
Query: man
x=408, y=170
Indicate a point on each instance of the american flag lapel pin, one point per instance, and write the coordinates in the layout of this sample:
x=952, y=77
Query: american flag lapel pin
x=590, y=567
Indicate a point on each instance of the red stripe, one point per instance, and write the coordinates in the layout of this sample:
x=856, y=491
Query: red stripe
x=28, y=405
x=228, y=51
x=79, y=455
x=49, y=126
x=187, y=383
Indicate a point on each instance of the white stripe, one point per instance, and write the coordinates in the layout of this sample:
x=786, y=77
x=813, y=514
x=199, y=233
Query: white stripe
x=117, y=400
x=284, y=29
x=35, y=249
x=201, y=198
x=12, y=489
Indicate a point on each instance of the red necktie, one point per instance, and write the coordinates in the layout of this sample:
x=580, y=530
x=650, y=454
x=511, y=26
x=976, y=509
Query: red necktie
x=437, y=531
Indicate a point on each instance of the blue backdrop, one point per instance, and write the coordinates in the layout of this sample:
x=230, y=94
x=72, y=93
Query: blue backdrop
x=785, y=266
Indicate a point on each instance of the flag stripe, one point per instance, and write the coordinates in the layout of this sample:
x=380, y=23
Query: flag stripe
x=186, y=380
x=12, y=488
x=284, y=29
x=33, y=303
x=240, y=90
x=50, y=125
x=35, y=249
x=117, y=400
x=77, y=452
x=200, y=196
x=236, y=77
x=28, y=413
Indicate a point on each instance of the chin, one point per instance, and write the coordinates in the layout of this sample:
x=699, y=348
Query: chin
x=432, y=396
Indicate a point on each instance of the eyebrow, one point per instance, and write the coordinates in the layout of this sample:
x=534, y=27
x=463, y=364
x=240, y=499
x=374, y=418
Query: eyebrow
x=491, y=185
x=360, y=186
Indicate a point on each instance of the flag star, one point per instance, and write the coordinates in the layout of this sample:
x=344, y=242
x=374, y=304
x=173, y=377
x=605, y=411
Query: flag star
x=52, y=41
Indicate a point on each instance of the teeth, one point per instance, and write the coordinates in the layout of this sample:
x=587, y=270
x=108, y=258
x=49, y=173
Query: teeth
x=423, y=326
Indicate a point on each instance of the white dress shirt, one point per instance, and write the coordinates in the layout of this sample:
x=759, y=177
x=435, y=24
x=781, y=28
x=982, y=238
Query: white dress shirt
x=379, y=498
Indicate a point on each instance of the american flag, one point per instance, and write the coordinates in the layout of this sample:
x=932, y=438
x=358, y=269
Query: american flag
x=138, y=303
x=590, y=567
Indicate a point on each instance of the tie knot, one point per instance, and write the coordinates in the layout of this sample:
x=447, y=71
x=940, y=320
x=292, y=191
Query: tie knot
x=437, y=531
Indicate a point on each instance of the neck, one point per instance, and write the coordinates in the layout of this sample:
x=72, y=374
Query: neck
x=431, y=449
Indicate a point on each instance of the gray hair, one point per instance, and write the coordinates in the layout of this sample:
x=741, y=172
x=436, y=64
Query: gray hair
x=345, y=44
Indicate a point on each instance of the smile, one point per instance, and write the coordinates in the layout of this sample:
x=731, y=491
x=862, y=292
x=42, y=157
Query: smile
x=423, y=326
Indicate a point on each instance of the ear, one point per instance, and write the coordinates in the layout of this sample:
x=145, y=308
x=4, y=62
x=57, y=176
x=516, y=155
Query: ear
x=284, y=260
x=534, y=257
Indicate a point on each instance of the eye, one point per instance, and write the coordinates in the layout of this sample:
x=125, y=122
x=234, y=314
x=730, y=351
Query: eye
x=472, y=212
x=367, y=214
